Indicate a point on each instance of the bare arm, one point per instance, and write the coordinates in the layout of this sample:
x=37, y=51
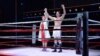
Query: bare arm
x=64, y=11
x=46, y=12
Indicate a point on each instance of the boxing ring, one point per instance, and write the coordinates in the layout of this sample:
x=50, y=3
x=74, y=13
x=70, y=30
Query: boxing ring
x=27, y=50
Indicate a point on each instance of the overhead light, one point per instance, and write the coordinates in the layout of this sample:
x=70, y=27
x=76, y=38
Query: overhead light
x=82, y=9
x=70, y=10
x=99, y=7
x=39, y=13
x=76, y=9
x=54, y=12
x=21, y=4
x=35, y=14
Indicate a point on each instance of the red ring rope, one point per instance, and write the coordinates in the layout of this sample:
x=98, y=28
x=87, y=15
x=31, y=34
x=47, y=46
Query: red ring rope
x=30, y=30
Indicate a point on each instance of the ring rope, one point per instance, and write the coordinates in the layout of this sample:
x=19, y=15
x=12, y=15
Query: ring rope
x=30, y=22
x=7, y=25
x=95, y=21
x=23, y=45
x=49, y=26
x=13, y=45
x=24, y=37
x=4, y=42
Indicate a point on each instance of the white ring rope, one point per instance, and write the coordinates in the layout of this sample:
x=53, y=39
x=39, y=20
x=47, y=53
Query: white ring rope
x=73, y=25
x=95, y=21
x=30, y=22
x=31, y=26
x=27, y=37
x=7, y=25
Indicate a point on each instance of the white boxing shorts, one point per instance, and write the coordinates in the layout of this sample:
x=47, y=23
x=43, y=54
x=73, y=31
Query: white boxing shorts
x=57, y=33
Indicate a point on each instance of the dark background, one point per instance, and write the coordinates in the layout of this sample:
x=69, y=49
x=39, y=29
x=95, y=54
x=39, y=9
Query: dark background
x=7, y=8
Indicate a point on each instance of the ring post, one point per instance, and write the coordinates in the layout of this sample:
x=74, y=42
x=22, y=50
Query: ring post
x=85, y=34
x=33, y=34
x=79, y=36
